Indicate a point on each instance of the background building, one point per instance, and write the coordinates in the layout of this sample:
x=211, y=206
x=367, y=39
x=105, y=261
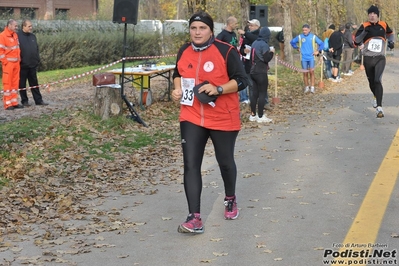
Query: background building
x=48, y=9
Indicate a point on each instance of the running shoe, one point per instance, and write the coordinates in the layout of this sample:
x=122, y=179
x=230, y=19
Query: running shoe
x=231, y=210
x=306, y=90
x=312, y=89
x=264, y=119
x=253, y=118
x=380, y=112
x=193, y=224
x=374, y=102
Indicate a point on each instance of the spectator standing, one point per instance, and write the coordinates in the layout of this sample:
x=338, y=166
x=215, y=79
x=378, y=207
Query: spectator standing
x=249, y=37
x=211, y=69
x=30, y=60
x=325, y=37
x=372, y=38
x=261, y=54
x=280, y=39
x=348, y=50
x=10, y=58
x=309, y=46
x=335, y=44
x=228, y=34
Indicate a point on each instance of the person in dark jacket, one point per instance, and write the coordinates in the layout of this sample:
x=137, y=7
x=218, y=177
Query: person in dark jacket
x=249, y=37
x=228, y=34
x=261, y=55
x=335, y=44
x=280, y=39
x=30, y=60
x=349, y=47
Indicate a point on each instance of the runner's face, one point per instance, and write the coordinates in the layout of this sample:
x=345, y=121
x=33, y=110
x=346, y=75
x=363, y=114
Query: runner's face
x=373, y=17
x=200, y=32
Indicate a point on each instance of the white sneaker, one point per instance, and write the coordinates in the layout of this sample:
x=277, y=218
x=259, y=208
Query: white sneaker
x=312, y=89
x=334, y=80
x=348, y=74
x=264, y=119
x=374, y=102
x=380, y=112
x=245, y=101
x=253, y=118
x=306, y=90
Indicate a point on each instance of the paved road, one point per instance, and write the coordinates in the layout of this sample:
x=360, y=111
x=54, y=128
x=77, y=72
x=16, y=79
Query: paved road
x=300, y=187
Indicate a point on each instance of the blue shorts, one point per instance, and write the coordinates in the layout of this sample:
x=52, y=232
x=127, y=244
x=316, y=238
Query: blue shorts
x=307, y=64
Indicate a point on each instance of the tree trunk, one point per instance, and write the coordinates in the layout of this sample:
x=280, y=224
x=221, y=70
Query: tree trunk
x=245, y=5
x=195, y=6
x=108, y=102
x=288, y=53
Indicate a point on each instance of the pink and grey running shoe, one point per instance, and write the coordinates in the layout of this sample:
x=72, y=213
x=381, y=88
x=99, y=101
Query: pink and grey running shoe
x=193, y=224
x=231, y=210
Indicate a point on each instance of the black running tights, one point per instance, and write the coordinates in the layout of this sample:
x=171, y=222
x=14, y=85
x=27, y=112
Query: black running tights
x=374, y=66
x=259, y=92
x=194, y=139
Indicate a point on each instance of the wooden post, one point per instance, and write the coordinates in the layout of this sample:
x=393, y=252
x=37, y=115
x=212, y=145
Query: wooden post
x=108, y=101
x=321, y=83
x=275, y=99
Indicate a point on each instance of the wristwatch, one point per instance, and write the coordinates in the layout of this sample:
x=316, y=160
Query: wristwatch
x=219, y=89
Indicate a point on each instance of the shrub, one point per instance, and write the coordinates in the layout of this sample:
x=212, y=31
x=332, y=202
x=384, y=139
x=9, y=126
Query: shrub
x=72, y=49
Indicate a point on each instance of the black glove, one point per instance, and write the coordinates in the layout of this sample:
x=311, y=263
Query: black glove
x=391, y=45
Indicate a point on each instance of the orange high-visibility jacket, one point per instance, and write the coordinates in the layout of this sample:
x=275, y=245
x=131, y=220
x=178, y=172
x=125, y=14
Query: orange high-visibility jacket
x=9, y=47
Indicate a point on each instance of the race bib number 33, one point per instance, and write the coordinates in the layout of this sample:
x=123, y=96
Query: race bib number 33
x=187, y=85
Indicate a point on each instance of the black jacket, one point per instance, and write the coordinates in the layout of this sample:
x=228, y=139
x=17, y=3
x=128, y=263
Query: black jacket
x=249, y=38
x=261, y=54
x=29, y=50
x=348, y=40
x=336, y=41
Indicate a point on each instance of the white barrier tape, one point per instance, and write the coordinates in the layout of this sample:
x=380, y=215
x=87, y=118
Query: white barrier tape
x=47, y=86
x=294, y=67
x=149, y=57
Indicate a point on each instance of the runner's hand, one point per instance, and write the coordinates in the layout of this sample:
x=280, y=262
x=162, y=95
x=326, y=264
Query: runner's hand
x=177, y=94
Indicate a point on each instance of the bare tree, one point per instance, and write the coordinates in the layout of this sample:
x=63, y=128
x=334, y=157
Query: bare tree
x=196, y=5
x=244, y=5
x=286, y=6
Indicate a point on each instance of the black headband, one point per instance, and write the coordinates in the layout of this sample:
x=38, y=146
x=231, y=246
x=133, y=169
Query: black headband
x=204, y=18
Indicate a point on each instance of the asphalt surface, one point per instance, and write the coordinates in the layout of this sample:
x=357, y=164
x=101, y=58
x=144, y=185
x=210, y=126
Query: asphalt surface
x=300, y=185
